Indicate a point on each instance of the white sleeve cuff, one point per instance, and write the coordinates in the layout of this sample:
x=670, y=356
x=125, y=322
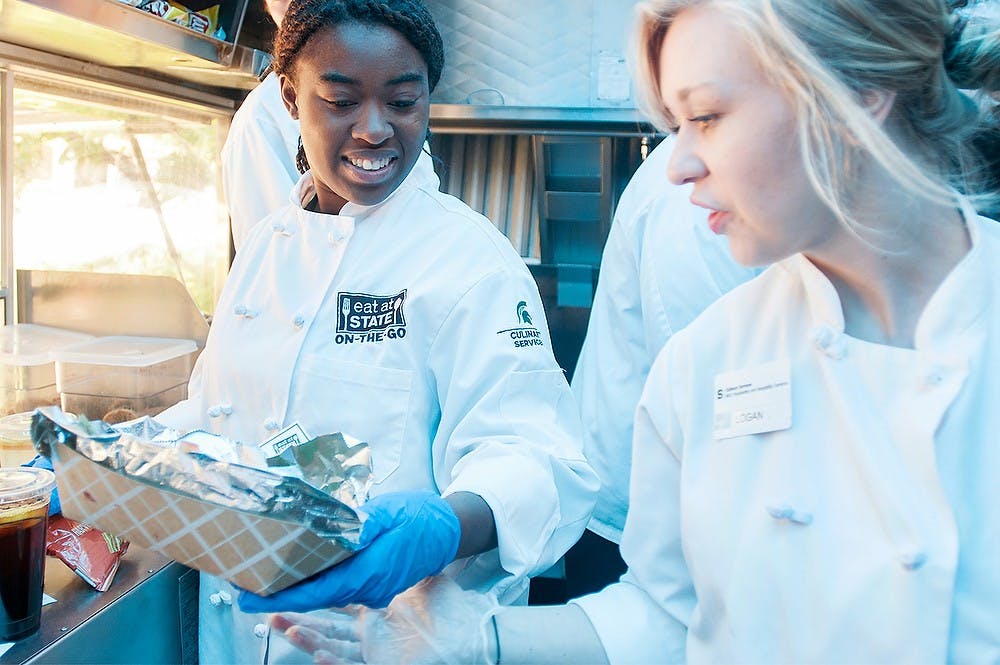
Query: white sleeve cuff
x=632, y=628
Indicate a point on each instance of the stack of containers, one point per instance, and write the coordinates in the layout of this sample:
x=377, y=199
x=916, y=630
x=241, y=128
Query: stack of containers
x=120, y=378
x=27, y=364
x=27, y=380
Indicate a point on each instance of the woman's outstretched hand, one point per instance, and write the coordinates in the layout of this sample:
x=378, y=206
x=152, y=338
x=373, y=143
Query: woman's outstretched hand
x=435, y=621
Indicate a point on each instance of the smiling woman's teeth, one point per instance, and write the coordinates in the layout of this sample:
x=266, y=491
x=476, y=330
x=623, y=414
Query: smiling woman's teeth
x=371, y=165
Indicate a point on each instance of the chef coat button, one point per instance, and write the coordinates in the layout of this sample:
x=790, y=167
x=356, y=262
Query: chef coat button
x=299, y=321
x=912, y=560
x=829, y=342
x=217, y=410
x=780, y=512
x=271, y=424
x=250, y=313
x=801, y=517
x=260, y=630
x=934, y=377
x=822, y=337
x=240, y=310
x=788, y=513
x=220, y=598
x=278, y=227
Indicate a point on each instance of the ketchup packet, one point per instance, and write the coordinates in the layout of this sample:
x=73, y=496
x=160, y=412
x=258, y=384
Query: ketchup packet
x=92, y=554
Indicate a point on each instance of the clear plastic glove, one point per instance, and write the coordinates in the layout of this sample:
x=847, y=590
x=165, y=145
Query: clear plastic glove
x=436, y=621
x=408, y=536
x=45, y=463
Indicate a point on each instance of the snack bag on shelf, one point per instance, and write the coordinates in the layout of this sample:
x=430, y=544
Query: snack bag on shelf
x=205, y=21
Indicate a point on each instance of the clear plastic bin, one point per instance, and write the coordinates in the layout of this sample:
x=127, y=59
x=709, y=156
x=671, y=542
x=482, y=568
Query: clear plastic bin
x=128, y=368
x=27, y=367
x=114, y=409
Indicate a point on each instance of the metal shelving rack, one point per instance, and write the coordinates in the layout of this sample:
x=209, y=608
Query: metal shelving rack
x=113, y=34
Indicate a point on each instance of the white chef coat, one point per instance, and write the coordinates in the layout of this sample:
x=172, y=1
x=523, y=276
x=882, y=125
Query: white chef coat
x=864, y=533
x=661, y=267
x=412, y=325
x=258, y=158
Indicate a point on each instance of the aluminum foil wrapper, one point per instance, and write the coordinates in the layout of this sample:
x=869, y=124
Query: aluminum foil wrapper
x=335, y=471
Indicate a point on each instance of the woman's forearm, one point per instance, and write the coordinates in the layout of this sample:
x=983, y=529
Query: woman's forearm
x=542, y=634
x=479, y=530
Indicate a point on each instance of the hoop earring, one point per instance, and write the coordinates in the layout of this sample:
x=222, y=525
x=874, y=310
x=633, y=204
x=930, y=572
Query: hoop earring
x=301, y=163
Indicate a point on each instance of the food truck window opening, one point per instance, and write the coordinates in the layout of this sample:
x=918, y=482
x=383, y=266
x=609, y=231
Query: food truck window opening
x=108, y=179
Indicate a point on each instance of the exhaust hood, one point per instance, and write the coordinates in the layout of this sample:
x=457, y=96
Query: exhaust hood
x=112, y=33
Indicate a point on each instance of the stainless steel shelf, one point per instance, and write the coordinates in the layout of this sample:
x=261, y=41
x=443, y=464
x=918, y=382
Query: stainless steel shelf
x=111, y=33
x=476, y=119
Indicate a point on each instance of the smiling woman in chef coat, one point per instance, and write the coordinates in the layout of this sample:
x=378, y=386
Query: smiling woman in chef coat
x=815, y=459
x=375, y=305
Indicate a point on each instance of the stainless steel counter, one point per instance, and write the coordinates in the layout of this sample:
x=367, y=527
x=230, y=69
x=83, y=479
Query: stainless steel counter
x=137, y=620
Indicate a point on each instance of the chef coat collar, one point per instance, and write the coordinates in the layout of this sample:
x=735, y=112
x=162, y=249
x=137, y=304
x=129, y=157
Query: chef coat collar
x=421, y=175
x=964, y=296
x=957, y=304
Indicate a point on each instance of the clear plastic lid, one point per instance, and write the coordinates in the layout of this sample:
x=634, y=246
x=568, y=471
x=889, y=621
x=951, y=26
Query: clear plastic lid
x=23, y=483
x=126, y=351
x=16, y=427
x=30, y=344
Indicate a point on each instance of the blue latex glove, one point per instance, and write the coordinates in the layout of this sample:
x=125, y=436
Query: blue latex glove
x=408, y=536
x=45, y=463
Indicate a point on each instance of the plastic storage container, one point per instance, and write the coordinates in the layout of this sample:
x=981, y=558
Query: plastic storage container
x=123, y=377
x=16, y=447
x=27, y=367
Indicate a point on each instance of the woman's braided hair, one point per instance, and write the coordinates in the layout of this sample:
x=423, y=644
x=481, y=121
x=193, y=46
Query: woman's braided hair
x=409, y=17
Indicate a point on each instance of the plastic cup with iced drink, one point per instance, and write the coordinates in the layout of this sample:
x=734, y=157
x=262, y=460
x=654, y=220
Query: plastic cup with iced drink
x=24, y=509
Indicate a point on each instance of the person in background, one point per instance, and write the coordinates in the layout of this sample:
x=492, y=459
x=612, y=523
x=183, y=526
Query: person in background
x=375, y=305
x=814, y=458
x=258, y=157
x=661, y=267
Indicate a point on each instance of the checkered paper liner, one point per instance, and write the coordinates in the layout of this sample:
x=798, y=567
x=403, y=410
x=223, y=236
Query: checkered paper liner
x=256, y=553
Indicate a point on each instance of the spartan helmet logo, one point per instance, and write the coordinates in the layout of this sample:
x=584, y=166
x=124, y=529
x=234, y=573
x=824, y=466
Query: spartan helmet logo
x=522, y=313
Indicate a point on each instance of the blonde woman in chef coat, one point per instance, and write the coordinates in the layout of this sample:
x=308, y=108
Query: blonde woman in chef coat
x=815, y=457
x=375, y=305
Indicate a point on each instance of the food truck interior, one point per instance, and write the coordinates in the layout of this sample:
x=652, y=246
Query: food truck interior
x=112, y=220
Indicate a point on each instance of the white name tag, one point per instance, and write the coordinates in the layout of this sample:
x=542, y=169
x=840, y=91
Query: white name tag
x=293, y=435
x=753, y=400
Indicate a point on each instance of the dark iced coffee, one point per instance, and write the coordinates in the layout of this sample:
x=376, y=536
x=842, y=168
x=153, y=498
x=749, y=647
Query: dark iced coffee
x=24, y=506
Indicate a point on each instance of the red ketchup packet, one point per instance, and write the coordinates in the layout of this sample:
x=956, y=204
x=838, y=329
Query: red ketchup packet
x=89, y=552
